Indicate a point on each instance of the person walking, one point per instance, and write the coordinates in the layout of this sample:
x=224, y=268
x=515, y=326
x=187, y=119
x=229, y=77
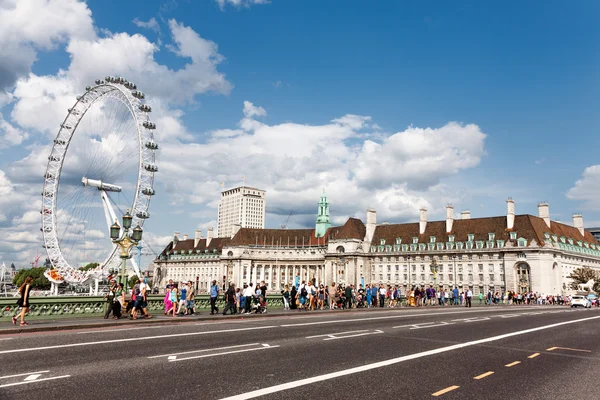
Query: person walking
x=468, y=297
x=286, y=297
x=214, y=295
x=118, y=301
x=230, y=300
x=110, y=298
x=23, y=301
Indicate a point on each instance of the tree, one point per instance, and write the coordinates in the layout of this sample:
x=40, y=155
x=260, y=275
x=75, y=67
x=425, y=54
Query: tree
x=39, y=280
x=132, y=281
x=584, y=275
x=89, y=266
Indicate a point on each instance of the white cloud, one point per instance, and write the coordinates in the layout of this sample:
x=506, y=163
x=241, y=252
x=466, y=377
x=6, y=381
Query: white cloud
x=250, y=110
x=294, y=161
x=10, y=135
x=240, y=3
x=30, y=25
x=587, y=188
x=150, y=24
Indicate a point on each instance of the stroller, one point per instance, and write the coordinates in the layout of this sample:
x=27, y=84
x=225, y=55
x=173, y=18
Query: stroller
x=259, y=306
x=341, y=302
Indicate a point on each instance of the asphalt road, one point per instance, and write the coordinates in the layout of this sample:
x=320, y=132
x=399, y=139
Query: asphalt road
x=497, y=352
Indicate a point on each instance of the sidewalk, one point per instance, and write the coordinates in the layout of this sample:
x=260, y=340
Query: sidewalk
x=95, y=321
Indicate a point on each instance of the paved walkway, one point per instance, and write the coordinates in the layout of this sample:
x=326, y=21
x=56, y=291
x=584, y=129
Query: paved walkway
x=66, y=323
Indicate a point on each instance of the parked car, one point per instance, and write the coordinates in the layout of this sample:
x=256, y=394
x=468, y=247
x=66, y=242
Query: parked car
x=580, y=301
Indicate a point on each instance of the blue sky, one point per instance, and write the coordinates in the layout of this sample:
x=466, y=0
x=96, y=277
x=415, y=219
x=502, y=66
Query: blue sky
x=520, y=79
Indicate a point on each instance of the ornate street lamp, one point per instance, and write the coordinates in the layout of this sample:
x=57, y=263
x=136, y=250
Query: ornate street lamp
x=125, y=242
x=434, y=269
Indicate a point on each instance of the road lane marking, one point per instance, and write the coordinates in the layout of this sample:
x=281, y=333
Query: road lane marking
x=474, y=319
x=534, y=355
x=566, y=348
x=121, y=340
x=333, y=334
x=484, y=375
x=355, y=335
x=26, y=373
x=392, y=361
x=37, y=380
x=512, y=364
x=222, y=353
x=388, y=317
x=433, y=326
x=8, y=338
x=448, y=389
x=124, y=329
x=204, y=350
x=406, y=326
x=32, y=377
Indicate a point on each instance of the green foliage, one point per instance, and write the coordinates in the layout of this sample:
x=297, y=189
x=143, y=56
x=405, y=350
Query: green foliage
x=39, y=280
x=584, y=275
x=88, y=267
x=132, y=281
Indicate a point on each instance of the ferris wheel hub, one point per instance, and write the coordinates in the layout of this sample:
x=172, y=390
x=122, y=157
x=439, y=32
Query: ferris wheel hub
x=100, y=185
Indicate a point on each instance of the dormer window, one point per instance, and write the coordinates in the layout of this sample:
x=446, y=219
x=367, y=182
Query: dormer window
x=500, y=243
x=451, y=238
x=579, y=243
x=432, y=239
x=480, y=244
x=522, y=242
x=513, y=236
x=382, y=242
x=555, y=238
x=415, y=240
x=547, y=236
x=398, y=240
x=471, y=237
x=440, y=246
x=563, y=239
x=570, y=241
x=491, y=236
x=431, y=246
x=459, y=245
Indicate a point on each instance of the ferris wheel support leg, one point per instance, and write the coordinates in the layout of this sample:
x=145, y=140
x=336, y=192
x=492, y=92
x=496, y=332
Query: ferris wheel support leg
x=136, y=268
x=109, y=212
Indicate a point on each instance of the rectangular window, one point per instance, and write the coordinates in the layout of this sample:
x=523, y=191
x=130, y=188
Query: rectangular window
x=492, y=277
x=480, y=267
x=490, y=267
x=480, y=277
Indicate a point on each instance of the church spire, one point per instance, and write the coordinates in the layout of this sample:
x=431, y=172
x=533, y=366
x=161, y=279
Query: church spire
x=323, y=222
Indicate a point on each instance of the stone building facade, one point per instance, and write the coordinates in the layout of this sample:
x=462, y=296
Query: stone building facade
x=512, y=252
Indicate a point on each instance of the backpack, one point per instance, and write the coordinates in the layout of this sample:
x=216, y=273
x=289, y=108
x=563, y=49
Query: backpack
x=303, y=292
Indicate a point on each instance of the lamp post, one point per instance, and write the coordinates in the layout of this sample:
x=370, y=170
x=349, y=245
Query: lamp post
x=454, y=259
x=125, y=242
x=409, y=274
x=434, y=269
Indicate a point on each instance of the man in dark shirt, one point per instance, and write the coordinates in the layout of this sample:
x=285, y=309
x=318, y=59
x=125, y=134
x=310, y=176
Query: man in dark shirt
x=230, y=300
x=348, y=294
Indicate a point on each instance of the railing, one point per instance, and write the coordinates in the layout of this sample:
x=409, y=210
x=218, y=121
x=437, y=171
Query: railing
x=88, y=305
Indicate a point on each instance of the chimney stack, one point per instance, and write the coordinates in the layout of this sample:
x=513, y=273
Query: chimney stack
x=510, y=214
x=235, y=229
x=197, y=237
x=422, y=220
x=449, y=217
x=466, y=214
x=209, y=236
x=185, y=237
x=175, y=239
x=578, y=223
x=544, y=212
x=371, y=224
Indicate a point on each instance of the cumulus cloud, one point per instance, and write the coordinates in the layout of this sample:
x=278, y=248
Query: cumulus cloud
x=240, y=3
x=27, y=26
x=293, y=161
x=587, y=188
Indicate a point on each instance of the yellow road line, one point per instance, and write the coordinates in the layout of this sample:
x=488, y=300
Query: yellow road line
x=448, y=389
x=484, y=375
x=512, y=364
x=567, y=348
x=534, y=355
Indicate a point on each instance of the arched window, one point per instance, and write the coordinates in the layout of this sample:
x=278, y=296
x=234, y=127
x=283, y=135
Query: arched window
x=340, y=249
x=230, y=253
x=523, y=277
